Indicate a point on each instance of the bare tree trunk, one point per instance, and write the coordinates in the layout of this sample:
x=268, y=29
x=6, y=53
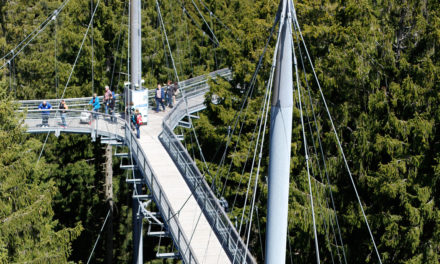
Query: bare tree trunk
x=109, y=200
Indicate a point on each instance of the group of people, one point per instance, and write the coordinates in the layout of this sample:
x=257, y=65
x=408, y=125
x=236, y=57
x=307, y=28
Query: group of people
x=45, y=106
x=109, y=103
x=166, y=96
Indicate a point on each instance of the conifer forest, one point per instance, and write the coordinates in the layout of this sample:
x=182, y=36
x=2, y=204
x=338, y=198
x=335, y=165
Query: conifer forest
x=377, y=62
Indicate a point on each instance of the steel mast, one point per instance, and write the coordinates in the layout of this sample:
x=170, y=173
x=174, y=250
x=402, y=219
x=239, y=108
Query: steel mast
x=280, y=144
x=135, y=84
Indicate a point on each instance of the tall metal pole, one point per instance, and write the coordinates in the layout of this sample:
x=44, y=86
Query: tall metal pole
x=279, y=145
x=135, y=83
x=136, y=46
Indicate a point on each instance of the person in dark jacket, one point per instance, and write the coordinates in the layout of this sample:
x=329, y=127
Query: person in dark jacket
x=111, y=107
x=44, y=113
x=169, y=94
x=160, y=97
x=63, y=107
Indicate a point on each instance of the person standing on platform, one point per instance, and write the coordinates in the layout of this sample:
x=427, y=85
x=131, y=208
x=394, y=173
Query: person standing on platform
x=63, y=107
x=44, y=113
x=160, y=97
x=111, y=107
x=107, y=97
x=169, y=93
x=136, y=120
x=175, y=92
x=95, y=103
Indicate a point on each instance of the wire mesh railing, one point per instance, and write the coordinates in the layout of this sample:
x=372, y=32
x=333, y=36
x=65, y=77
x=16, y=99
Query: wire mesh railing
x=213, y=211
x=180, y=240
x=75, y=121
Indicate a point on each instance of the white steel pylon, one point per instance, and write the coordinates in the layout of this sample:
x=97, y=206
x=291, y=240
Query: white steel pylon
x=279, y=145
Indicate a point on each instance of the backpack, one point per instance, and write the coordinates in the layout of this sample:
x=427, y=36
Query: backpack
x=139, y=119
x=133, y=119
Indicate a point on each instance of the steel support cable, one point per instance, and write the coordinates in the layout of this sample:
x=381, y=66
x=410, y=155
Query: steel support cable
x=218, y=19
x=259, y=233
x=179, y=51
x=70, y=76
x=99, y=236
x=318, y=163
x=270, y=78
x=195, y=22
x=319, y=169
x=317, y=193
x=92, y=44
x=268, y=87
x=338, y=141
x=54, y=13
x=304, y=139
x=261, y=131
x=206, y=23
x=327, y=235
x=10, y=76
x=56, y=58
x=183, y=91
x=321, y=150
x=32, y=35
x=249, y=94
x=117, y=50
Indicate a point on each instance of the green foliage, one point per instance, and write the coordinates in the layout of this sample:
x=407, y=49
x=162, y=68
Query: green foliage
x=28, y=231
x=378, y=64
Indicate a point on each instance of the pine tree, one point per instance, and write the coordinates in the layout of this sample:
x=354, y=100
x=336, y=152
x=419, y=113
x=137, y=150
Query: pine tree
x=28, y=232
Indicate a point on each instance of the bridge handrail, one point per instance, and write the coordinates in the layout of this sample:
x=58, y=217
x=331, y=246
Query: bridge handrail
x=180, y=239
x=83, y=102
x=216, y=216
x=96, y=124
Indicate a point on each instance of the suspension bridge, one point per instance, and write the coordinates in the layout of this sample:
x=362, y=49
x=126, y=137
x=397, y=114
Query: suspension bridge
x=190, y=213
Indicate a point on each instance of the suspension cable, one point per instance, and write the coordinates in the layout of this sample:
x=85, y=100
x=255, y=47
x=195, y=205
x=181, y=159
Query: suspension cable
x=212, y=14
x=247, y=96
x=99, y=236
x=322, y=155
x=70, y=75
x=304, y=137
x=117, y=51
x=337, y=139
x=32, y=35
x=183, y=91
x=56, y=59
x=206, y=23
x=92, y=44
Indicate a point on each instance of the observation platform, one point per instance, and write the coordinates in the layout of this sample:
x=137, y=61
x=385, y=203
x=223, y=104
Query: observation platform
x=198, y=225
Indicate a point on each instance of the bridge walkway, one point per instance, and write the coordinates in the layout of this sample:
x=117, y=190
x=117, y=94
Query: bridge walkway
x=201, y=230
x=205, y=244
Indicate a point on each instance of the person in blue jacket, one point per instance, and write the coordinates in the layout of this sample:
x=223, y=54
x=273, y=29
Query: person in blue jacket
x=95, y=103
x=44, y=113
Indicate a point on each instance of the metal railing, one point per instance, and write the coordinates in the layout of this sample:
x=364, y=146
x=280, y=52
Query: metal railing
x=77, y=121
x=72, y=103
x=189, y=86
x=213, y=211
x=101, y=124
x=180, y=240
